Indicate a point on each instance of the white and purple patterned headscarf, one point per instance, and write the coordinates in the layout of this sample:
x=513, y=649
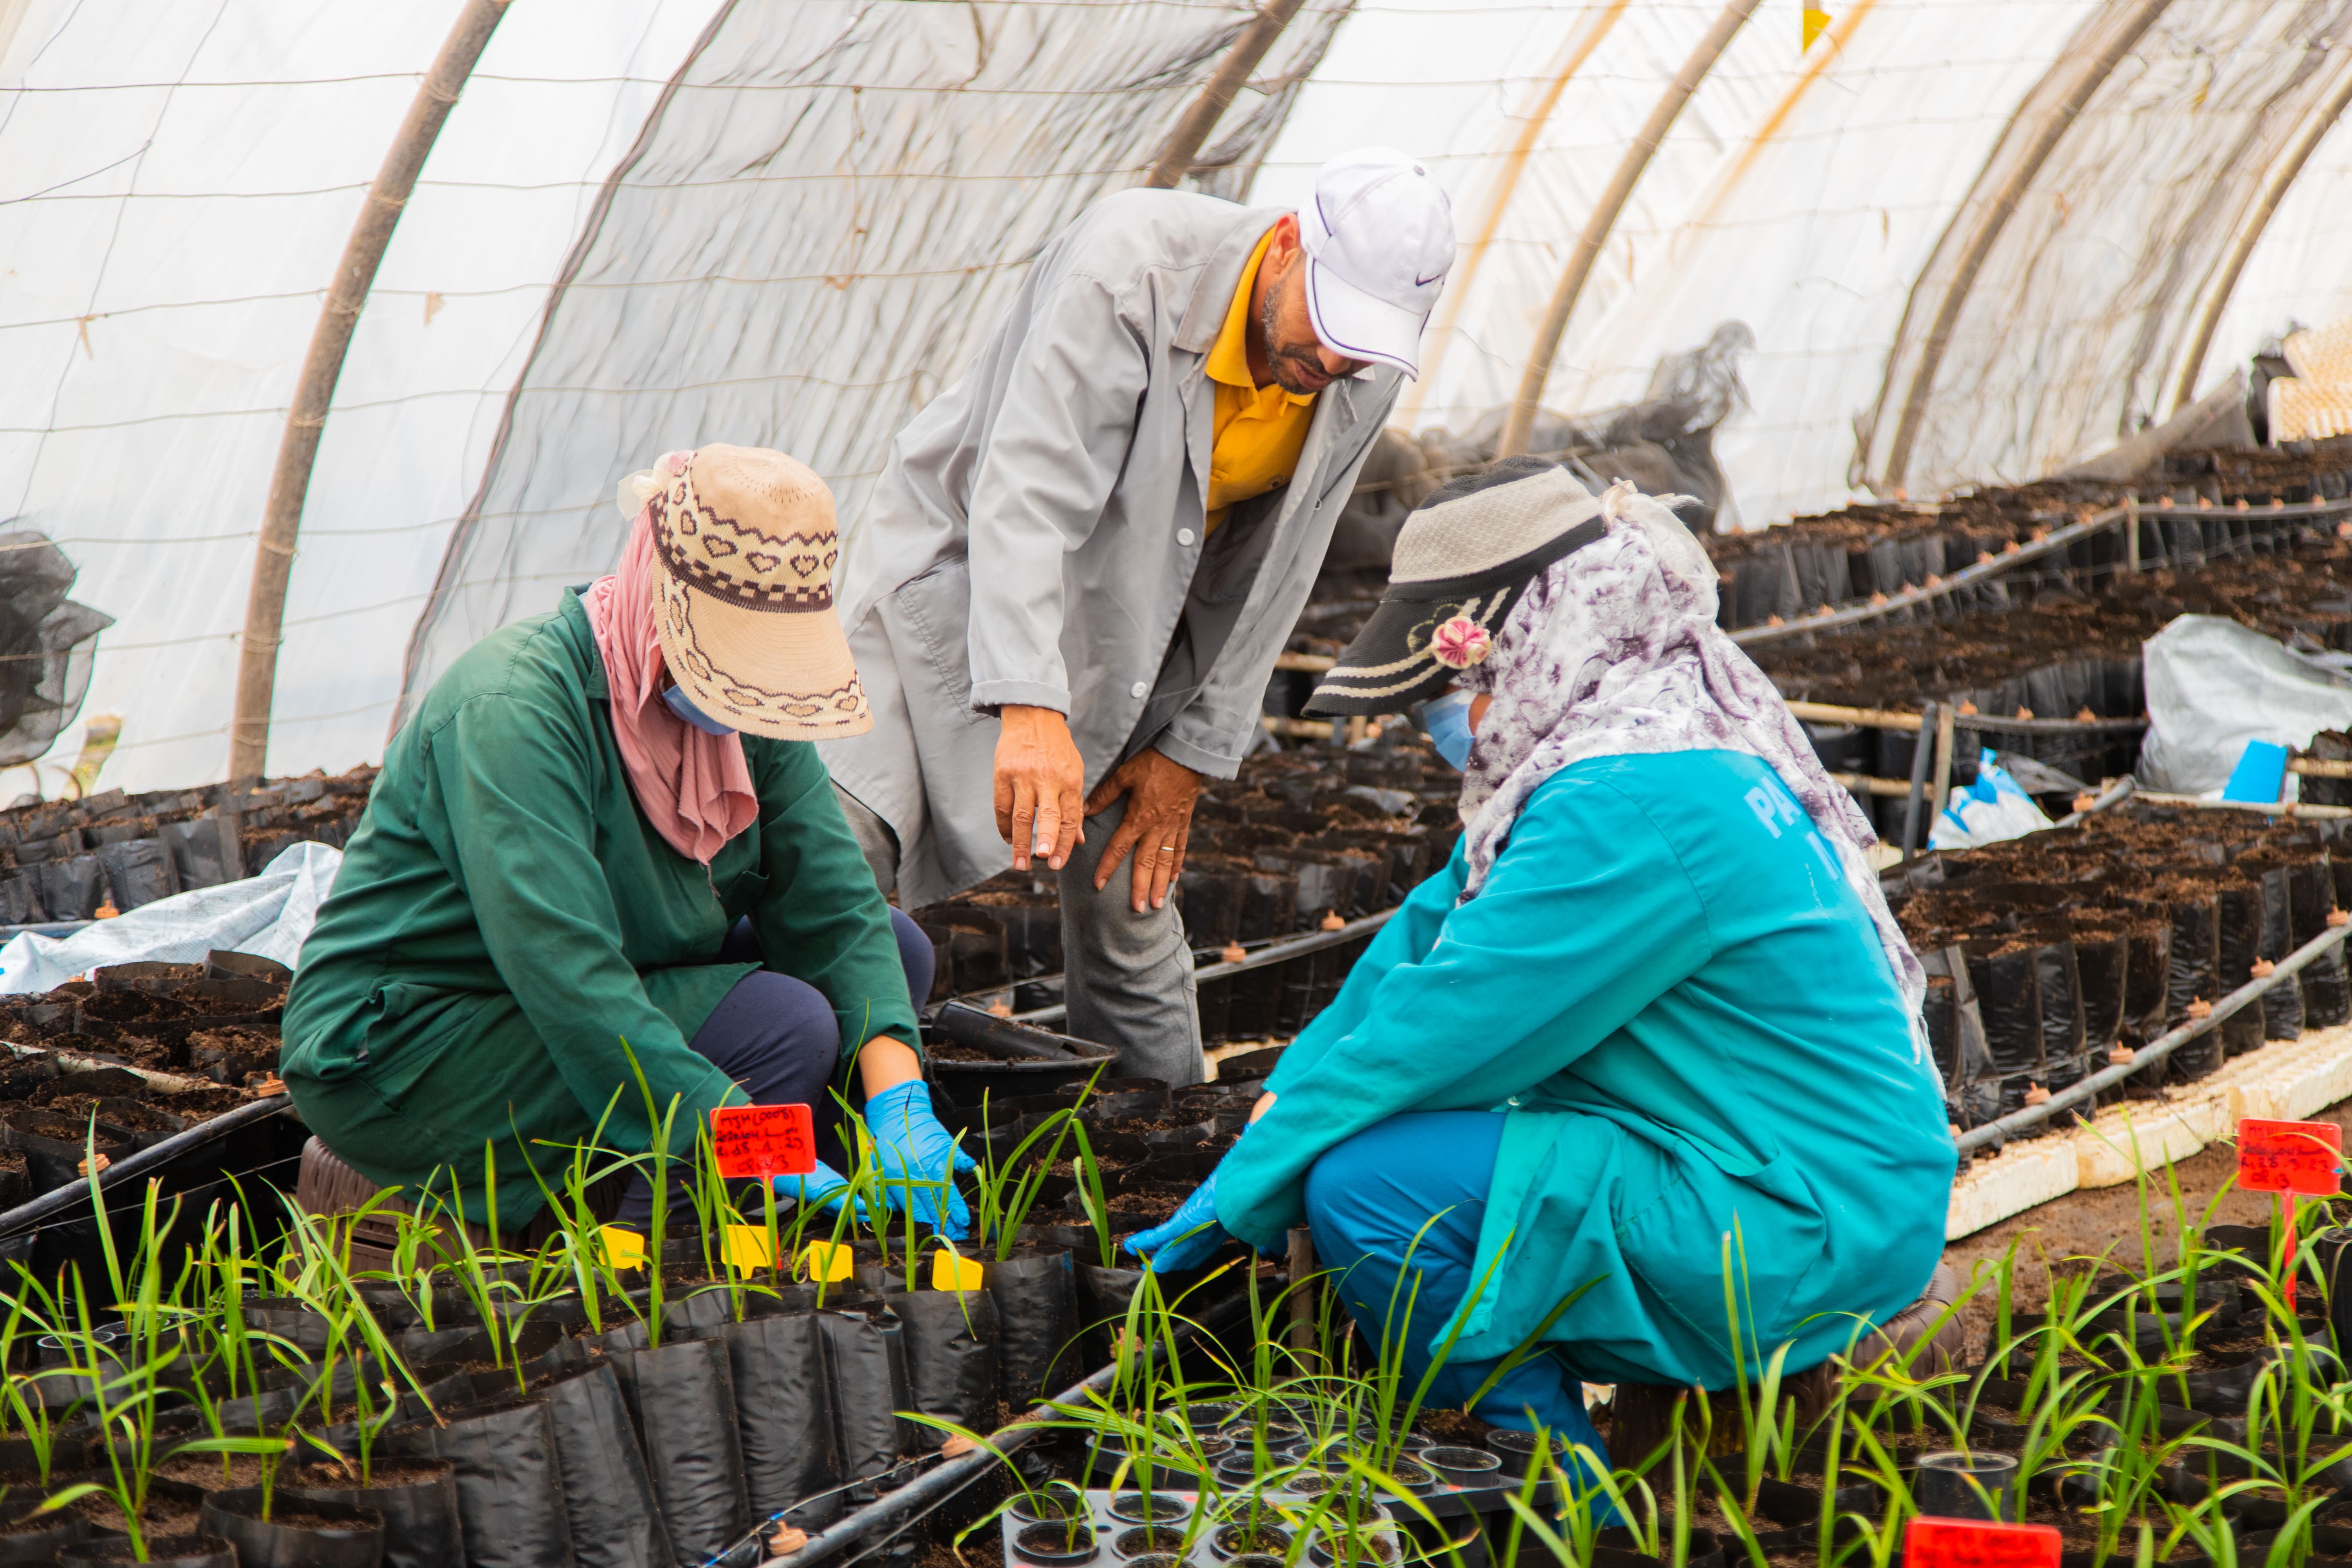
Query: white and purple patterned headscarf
x=1613, y=651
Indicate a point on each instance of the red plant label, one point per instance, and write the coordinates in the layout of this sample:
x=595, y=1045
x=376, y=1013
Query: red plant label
x=2303, y=1157
x=1977, y=1543
x=764, y=1141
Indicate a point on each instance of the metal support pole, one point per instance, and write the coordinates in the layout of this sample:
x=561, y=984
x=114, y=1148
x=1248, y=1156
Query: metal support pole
x=331, y=339
x=2131, y=534
x=1603, y=218
x=1183, y=144
x=1919, y=755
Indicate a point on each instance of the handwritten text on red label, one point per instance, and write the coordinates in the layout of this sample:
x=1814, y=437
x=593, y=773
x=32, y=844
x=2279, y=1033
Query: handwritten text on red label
x=1975, y=1543
x=2305, y=1157
x=764, y=1141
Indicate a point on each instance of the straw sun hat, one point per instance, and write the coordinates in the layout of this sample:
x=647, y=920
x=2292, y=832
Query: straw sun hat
x=743, y=603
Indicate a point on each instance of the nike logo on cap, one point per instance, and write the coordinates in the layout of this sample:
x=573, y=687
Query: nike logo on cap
x=1425, y=282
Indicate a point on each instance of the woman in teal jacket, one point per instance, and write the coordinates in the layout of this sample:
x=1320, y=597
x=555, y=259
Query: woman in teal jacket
x=1647, y=1047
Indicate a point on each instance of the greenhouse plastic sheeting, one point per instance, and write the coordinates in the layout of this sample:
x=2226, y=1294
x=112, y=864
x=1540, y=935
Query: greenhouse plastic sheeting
x=269, y=916
x=2214, y=685
x=823, y=223
x=815, y=235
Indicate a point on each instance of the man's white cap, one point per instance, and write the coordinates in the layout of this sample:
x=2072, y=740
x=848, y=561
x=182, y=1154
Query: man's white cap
x=1379, y=237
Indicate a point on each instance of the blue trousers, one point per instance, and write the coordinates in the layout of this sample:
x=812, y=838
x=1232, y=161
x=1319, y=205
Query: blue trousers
x=1395, y=1212
x=777, y=1038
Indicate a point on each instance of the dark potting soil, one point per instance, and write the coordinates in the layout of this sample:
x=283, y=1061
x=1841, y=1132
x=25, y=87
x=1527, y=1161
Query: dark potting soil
x=160, y=1519
x=1154, y=1202
x=204, y=1469
x=946, y=1053
x=386, y=1471
x=1458, y=1428
x=141, y=1119
x=200, y=1104
x=1138, y=1126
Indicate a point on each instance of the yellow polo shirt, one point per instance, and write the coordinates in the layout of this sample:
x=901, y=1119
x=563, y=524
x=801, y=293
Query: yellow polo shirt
x=1259, y=429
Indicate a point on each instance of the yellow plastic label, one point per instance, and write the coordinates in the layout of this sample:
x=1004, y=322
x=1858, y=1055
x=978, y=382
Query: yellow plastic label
x=623, y=1249
x=826, y=1263
x=949, y=1272
x=747, y=1248
x=1815, y=23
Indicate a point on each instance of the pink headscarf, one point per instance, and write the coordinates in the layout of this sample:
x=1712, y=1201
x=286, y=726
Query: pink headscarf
x=695, y=788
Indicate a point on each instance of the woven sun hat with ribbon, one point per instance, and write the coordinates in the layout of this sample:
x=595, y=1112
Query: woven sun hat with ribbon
x=747, y=543
x=1461, y=561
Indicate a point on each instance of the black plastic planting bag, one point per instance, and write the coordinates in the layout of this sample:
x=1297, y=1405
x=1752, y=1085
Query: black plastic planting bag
x=2103, y=964
x=73, y=887
x=2061, y=983
x=866, y=1363
x=2009, y=999
x=608, y=1496
x=1104, y=1295
x=510, y=1485
x=2192, y=972
x=951, y=1340
x=2326, y=985
x=683, y=1401
x=205, y=850
x=2147, y=979
x=2281, y=1004
x=139, y=871
x=783, y=1411
x=1036, y=1319
x=2238, y=913
x=420, y=1515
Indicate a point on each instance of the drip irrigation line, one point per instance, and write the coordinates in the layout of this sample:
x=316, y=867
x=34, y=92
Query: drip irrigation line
x=2016, y=556
x=1273, y=952
x=2155, y=1050
x=920, y=1497
x=2114, y=795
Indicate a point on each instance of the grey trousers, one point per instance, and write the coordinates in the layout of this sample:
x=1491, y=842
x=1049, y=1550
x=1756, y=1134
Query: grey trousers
x=1127, y=977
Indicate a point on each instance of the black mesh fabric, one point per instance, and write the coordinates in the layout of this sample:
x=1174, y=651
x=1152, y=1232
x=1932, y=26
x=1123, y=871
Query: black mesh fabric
x=47, y=643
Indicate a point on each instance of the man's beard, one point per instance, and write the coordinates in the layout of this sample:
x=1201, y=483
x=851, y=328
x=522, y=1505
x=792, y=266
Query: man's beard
x=1286, y=363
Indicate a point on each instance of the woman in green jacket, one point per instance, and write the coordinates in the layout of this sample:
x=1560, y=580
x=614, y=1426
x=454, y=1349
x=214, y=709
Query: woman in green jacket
x=602, y=849
x=1646, y=1055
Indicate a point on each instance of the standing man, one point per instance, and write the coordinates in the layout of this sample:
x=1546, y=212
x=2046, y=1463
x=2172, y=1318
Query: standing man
x=1083, y=557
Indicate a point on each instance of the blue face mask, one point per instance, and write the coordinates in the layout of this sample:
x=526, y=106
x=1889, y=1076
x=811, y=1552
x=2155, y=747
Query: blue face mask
x=1447, y=721
x=676, y=697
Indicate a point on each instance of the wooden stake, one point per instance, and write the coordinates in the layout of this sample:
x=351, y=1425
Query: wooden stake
x=331, y=339
x=1945, y=712
x=1302, y=1293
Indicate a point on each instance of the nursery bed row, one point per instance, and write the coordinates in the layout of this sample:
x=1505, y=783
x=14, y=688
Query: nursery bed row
x=2051, y=956
x=65, y=859
x=2194, y=507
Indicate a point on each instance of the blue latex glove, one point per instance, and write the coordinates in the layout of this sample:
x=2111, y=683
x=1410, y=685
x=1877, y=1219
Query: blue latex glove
x=912, y=1147
x=821, y=1188
x=1189, y=1240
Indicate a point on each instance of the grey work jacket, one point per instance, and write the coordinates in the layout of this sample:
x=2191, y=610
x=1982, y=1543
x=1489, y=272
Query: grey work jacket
x=1036, y=534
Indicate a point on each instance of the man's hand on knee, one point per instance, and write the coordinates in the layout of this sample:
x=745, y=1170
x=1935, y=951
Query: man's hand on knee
x=1039, y=780
x=1157, y=825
